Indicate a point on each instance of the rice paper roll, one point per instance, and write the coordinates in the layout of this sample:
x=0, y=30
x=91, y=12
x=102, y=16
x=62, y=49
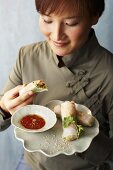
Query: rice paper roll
x=68, y=109
x=70, y=133
x=82, y=118
x=85, y=119
x=57, y=110
x=35, y=86
x=71, y=130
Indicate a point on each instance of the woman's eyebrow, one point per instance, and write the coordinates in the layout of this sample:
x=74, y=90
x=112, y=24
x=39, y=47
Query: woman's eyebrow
x=73, y=17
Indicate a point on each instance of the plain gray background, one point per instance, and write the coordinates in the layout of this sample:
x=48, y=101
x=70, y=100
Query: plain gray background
x=18, y=27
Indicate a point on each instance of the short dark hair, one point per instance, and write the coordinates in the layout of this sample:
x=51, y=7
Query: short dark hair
x=92, y=7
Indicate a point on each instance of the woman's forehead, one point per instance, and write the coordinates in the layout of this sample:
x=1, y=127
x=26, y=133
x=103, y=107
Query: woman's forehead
x=65, y=12
x=74, y=7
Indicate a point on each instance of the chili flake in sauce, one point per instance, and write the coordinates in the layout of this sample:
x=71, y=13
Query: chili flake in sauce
x=32, y=122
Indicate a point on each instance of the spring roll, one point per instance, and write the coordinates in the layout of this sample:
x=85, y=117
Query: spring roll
x=85, y=119
x=57, y=110
x=35, y=86
x=71, y=130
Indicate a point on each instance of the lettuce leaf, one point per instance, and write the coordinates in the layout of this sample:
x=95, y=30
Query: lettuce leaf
x=36, y=89
x=68, y=120
x=80, y=130
x=71, y=120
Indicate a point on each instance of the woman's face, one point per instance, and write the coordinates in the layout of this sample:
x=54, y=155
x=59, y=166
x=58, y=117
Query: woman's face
x=65, y=33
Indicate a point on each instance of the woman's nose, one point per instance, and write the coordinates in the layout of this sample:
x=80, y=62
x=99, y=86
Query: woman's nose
x=58, y=33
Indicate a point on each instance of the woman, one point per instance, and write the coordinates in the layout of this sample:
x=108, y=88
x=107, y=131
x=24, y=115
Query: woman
x=75, y=67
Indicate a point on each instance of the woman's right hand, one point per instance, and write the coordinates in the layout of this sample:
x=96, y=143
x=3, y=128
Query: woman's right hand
x=12, y=101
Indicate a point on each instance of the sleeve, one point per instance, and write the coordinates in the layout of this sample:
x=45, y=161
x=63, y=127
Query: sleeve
x=15, y=79
x=4, y=124
x=15, y=76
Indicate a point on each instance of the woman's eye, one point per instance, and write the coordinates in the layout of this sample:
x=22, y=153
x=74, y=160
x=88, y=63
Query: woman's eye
x=47, y=21
x=71, y=23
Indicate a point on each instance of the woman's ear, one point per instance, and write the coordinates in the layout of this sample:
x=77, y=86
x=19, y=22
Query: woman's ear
x=95, y=19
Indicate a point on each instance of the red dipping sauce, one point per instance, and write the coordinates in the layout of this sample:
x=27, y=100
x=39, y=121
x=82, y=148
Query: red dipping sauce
x=32, y=122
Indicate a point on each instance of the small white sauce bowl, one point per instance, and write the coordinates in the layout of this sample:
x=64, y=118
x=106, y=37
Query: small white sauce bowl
x=48, y=115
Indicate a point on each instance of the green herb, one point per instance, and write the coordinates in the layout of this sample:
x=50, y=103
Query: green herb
x=80, y=130
x=67, y=121
x=35, y=90
x=71, y=120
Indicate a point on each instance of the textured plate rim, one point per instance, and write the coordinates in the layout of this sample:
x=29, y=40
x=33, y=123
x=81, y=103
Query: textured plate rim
x=59, y=152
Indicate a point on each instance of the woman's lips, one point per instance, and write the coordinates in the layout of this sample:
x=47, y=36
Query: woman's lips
x=59, y=44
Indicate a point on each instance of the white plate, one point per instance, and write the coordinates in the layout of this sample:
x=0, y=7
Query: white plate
x=50, y=142
x=47, y=114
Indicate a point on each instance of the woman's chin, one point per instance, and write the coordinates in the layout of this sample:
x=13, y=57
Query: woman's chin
x=60, y=53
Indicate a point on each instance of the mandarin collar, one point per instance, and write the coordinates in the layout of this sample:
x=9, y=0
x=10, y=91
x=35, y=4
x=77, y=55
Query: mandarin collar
x=81, y=54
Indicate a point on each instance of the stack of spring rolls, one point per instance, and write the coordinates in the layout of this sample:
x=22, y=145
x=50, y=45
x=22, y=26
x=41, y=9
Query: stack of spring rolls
x=73, y=121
